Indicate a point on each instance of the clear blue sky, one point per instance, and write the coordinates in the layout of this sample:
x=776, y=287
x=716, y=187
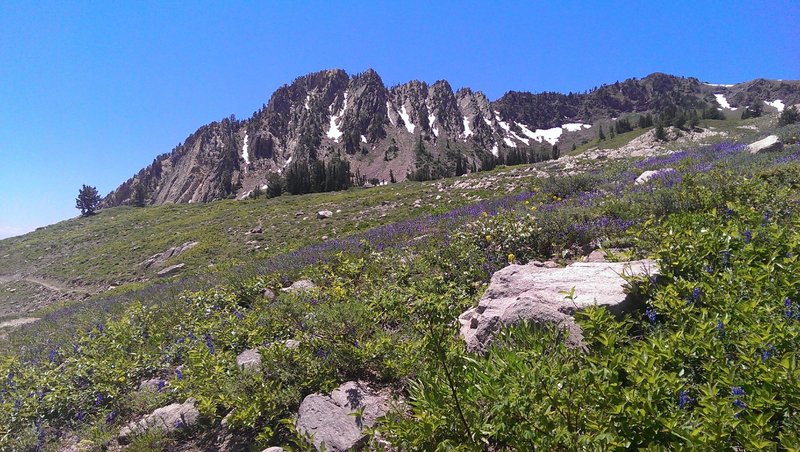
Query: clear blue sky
x=90, y=92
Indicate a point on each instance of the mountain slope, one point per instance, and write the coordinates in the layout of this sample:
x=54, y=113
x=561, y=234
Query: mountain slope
x=387, y=132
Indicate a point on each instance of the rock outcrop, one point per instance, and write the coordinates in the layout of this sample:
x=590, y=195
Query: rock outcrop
x=646, y=176
x=169, y=418
x=768, y=144
x=332, y=421
x=159, y=259
x=536, y=293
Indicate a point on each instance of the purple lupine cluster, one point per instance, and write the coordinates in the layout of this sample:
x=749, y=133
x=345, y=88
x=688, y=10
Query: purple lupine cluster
x=652, y=317
x=684, y=400
x=720, y=329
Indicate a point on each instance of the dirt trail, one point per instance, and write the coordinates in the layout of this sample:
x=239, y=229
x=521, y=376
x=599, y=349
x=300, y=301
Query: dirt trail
x=56, y=286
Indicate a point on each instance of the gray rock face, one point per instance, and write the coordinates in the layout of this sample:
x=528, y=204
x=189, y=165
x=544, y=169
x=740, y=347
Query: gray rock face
x=249, y=360
x=646, y=176
x=768, y=144
x=323, y=214
x=158, y=260
x=329, y=421
x=170, y=270
x=169, y=418
x=302, y=285
x=530, y=292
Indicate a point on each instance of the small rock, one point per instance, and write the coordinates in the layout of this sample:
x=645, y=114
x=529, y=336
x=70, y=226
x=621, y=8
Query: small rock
x=648, y=175
x=302, y=285
x=330, y=421
x=257, y=230
x=154, y=384
x=273, y=449
x=169, y=418
x=323, y=214
x=298, y=214
x=249, y=360
x=768, y=144
x=170, y=270
x=596, y=256
x=268, y=294
x=291, y=344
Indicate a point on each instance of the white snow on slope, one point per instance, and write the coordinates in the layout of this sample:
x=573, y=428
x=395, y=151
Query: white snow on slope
x=777, y=104
x=722, y=85
x=407, y=119
x=525, y=130
x=245, y=155
x=467, y=130
x=363, y=139
x=431, y=119
x=333, y=131
x=305, y=103
x=524, y=140
x=488, y=123
x=495, y=151
x=576, y=126
x=723, y=102
x=510, y=142
x=389, y=112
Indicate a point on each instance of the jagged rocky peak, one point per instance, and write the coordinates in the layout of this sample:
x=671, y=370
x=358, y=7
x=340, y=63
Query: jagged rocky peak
x=330, y=114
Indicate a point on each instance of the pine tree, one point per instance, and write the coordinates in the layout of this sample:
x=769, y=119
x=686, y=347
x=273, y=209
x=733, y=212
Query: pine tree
x=789, y=116
x=661, y=134
x=600, y=135
x=87, y=201
x=391, y=177
x=139, y=196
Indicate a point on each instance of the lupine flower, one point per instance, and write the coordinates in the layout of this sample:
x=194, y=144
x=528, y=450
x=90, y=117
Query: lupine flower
x=696, y=294
x=726, y=258
x=737, y=391
x=651, y=315
x=720, y=329
x=178, y=423
x=98, y=400
x=708, y=269
x=110, y=417
x=161, y=384
x=684, y=401
x=179, y=374
x=53, y=355
x=739, y=404
x=209, y=343
x=747, y=236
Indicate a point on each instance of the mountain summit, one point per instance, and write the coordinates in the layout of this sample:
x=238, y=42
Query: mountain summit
x=409, y=130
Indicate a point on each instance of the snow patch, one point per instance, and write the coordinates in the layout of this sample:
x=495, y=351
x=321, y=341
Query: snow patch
x=575, y=126
x=495, y=151
x=504, y=125
x=467, y=130
x=333, y=130
x=488, y=123
x=526, y=131
x=721, y=85
x=245, y=154
x=305, y=103
x=723, y=102
x=549, y=135
x=363, y=139
x=389, y=112
x=510, y=142
x=524, y=140
x=407, y=119
x=431, y=120
x=777, y=104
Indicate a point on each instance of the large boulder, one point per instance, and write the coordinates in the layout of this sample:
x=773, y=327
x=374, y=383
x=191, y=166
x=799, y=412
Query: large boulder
x=159, y=259
x=646, y=176
x=171, y=269
x=249, y=360
x=329, y=420
x=303, y=285
x=768, y=144
x=534, y=293
x=169, y=418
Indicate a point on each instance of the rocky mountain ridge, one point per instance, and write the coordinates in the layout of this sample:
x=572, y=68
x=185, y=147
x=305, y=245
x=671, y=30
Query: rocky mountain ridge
x=389, y=132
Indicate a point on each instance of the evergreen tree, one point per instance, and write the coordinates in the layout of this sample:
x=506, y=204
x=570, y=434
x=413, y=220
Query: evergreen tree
x=274, y=185
x=139, y=196
x=556, y=153
x=391, y=177
x=87, y=201
x=661, y=134
x=789, y=116
x=600, y=135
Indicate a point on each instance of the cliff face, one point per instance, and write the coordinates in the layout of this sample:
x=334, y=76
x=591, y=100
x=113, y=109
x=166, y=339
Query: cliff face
x=381, y=130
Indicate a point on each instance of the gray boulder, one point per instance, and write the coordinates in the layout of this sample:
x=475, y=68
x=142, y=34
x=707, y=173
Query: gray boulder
x=768, y=144
x=646, y=176
x=170, y=270
x=329, y=420
x=302, y=285
x=530, y=292
x=323, y=214
x=158, y=259
x=169, y=418
x=249, y=360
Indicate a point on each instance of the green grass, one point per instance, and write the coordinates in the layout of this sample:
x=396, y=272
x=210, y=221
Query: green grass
x=610, y=143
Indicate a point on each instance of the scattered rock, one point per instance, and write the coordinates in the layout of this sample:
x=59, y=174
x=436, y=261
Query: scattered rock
x=154, y=384
x=170, y=270
x=18, y=322
x=648, y=175
x=529, y=292
x=257, y=230
x=768, y=144
x=169, y=418
x=291, y=344
x=273, y=449
x=159, y=259
x=249, y=360
x=323, y=214
x=268, y=294
x=302, y=285
x=329, y=420
x=596, y=256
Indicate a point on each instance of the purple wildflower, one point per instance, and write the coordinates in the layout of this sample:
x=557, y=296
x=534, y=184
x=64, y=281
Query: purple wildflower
x=651, y=315
x=98, y=400
x=209, y=343
x=739, y=404
x=161, y=384
x=737, y=391
x=179, y=374
x=720, y=329
x=110, y=417
x=178, y=423
x=684, y=401
x=747, y=236
x=787, y=302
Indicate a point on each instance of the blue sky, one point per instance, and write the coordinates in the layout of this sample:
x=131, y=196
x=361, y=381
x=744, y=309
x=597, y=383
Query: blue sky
x=90, y=92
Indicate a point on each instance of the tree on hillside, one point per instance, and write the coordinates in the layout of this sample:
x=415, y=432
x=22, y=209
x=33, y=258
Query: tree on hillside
x=139, y=195
x=87, y=201
x=789, y=116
